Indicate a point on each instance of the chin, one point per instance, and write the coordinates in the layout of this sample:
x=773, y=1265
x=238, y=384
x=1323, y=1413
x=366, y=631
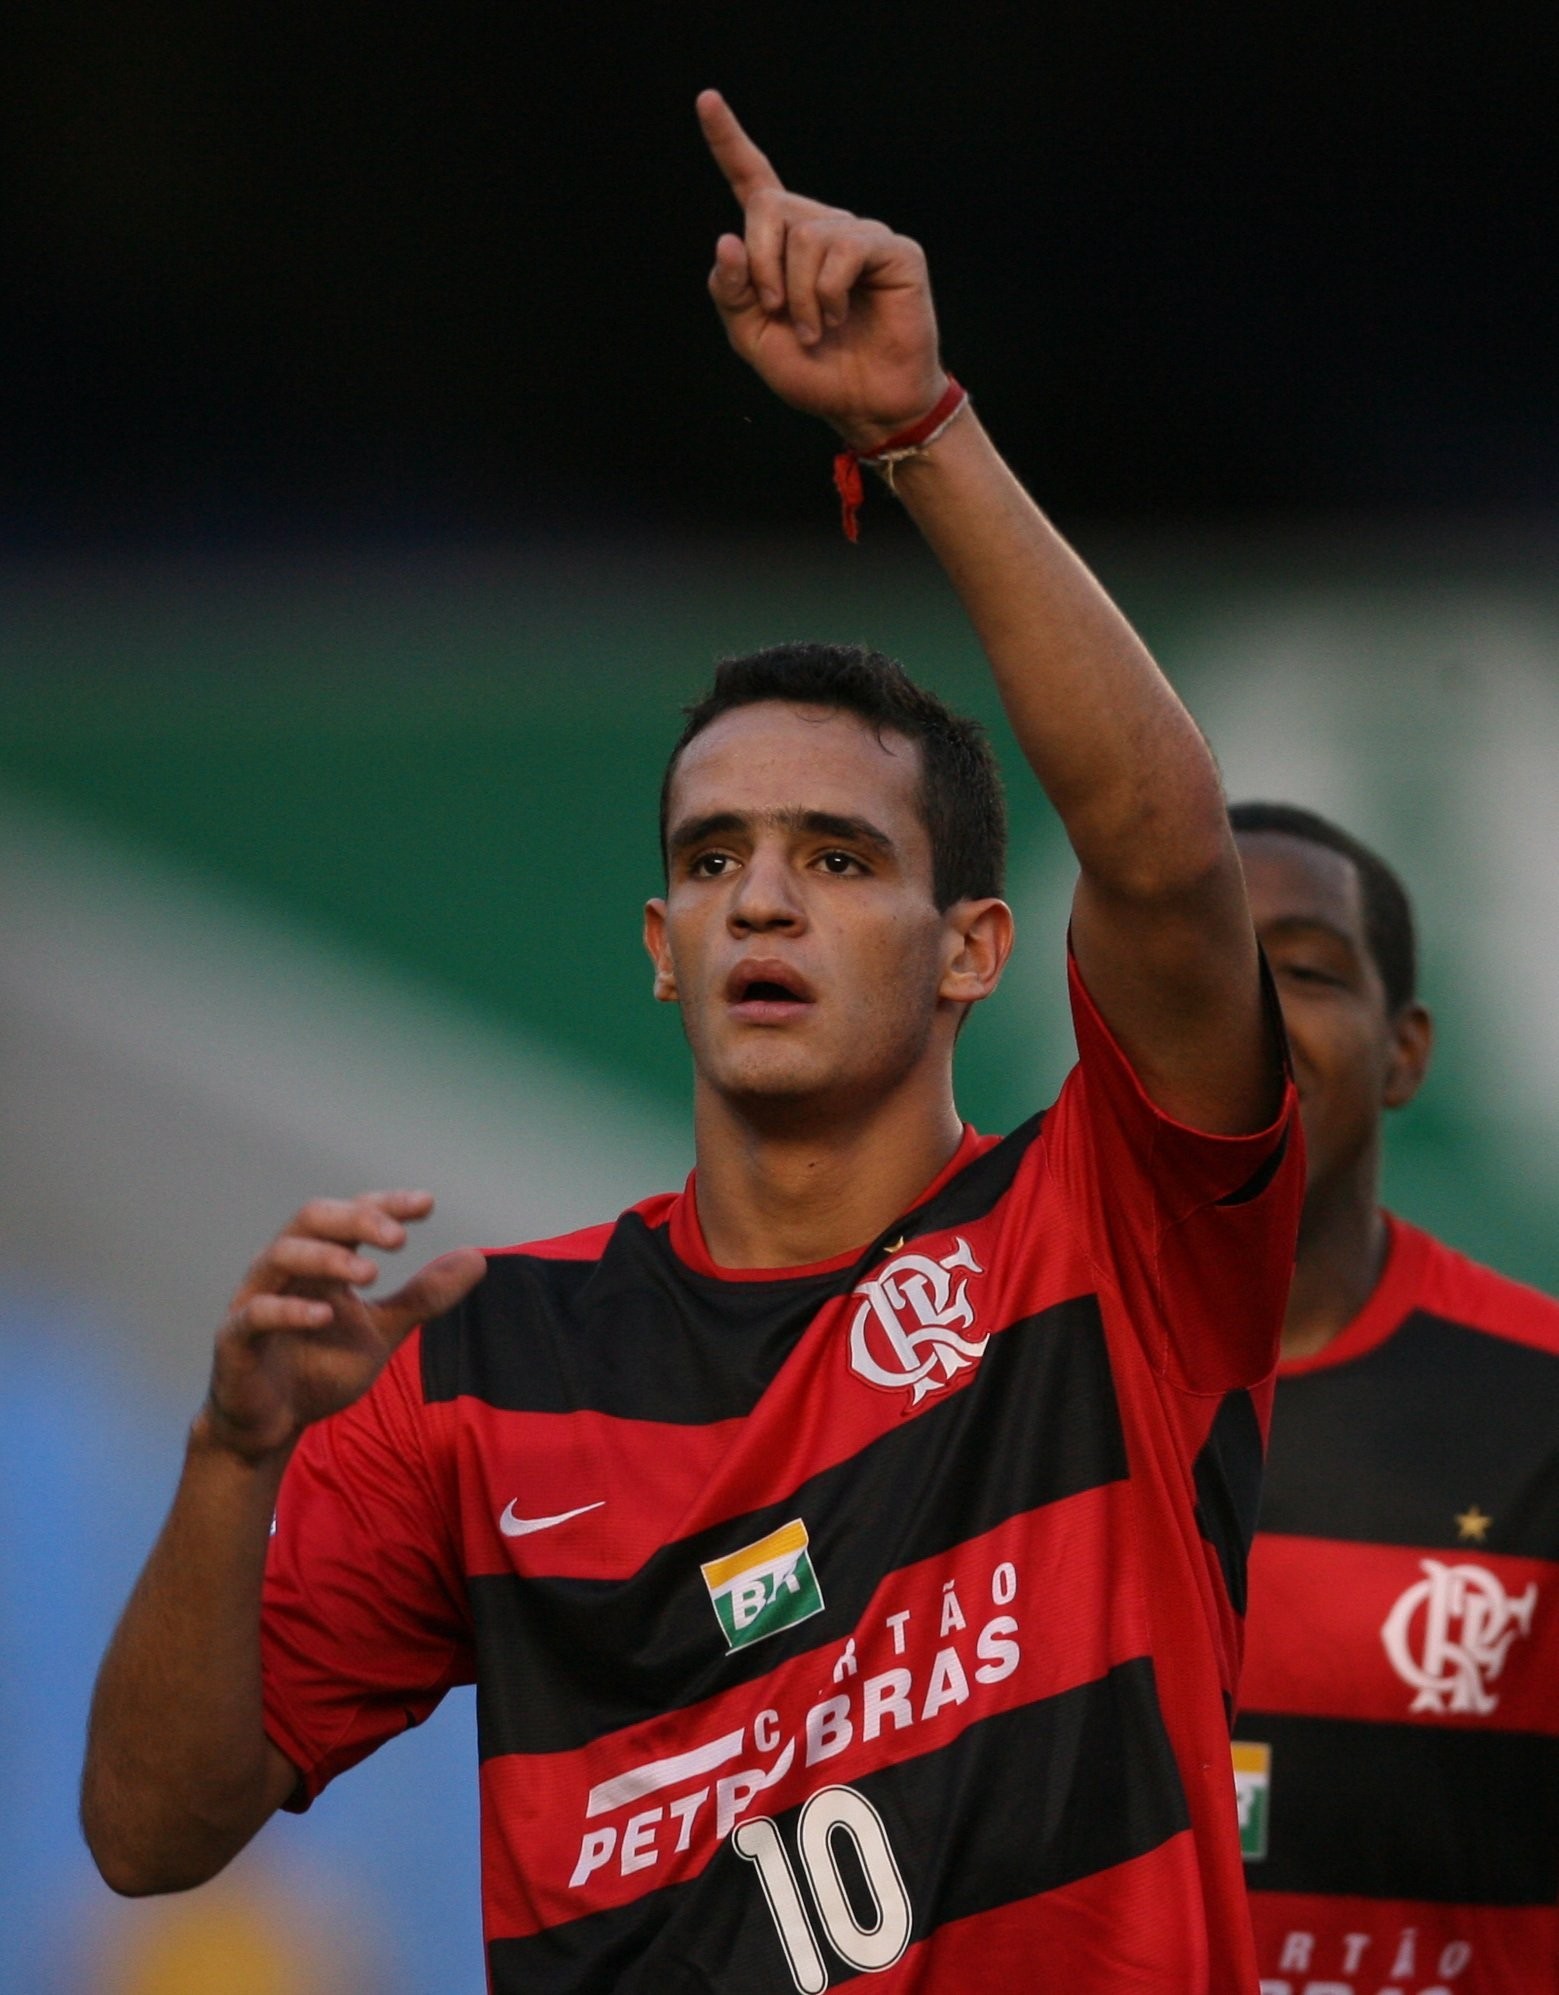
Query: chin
x=773, y=1080
x=782, y=1070
x=803, y=1090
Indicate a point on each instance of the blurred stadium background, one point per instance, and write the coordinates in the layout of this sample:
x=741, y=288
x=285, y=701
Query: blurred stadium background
x=376, y=487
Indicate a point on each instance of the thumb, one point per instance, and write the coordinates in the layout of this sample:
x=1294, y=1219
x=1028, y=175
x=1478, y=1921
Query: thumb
x=432, y=1290
x=730, y=282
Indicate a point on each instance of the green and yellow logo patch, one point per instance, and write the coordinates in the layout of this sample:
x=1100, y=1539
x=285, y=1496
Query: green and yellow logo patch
x=1252, y=1792
x=764, y=1587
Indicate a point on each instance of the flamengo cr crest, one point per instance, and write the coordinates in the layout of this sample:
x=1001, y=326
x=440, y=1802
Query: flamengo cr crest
x=905, y=1332
x=1449, y=1635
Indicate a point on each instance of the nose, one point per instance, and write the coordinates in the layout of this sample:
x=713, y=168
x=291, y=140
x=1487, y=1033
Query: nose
x=765, y=900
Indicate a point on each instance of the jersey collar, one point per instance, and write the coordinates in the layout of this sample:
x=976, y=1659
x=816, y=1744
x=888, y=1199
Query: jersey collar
x=1392, y=1299
x=687, y=1236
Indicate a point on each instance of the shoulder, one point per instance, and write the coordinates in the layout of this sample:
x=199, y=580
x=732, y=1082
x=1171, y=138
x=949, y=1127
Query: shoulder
x=587, y=1244
x=1456, y=1287
x=505, y=1339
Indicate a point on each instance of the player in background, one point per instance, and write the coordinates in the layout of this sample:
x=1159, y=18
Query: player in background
x=1397, y=1749
x=847, y=1549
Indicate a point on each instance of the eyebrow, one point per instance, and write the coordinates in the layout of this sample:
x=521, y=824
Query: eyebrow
x=1312, y=924
x=820, y=823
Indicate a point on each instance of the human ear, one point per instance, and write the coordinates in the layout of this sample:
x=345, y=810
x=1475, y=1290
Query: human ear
x=1412, y=1041
x=978, y=939
x=659, y=950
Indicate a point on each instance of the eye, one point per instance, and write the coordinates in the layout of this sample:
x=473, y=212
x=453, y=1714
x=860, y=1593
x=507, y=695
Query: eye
x=1307, y=973
x=840, y=864
x=709, y=865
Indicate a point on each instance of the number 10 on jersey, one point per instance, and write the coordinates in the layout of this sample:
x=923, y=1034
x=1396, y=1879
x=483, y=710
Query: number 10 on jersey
x=831, y=1814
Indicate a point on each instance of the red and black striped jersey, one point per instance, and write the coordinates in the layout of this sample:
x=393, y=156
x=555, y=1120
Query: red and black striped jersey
x=1398, y=1742
x=874, y=1617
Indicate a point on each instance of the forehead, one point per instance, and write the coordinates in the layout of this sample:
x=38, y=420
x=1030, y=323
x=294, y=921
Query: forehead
x=773, y=756
x=1290, y=879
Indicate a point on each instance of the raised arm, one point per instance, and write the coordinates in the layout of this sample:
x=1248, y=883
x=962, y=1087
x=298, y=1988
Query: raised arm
x=834, y=312
x=179, y=1772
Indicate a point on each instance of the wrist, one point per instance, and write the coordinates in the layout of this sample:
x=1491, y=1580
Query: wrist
x=889, y=452
x=868, y=435
x=214, y=1435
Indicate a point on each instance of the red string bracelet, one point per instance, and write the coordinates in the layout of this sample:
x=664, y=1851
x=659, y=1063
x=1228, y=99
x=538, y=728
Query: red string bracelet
x=911, y=442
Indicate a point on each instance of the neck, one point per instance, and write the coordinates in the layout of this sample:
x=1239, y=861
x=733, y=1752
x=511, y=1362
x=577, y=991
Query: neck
x=787, y=1186
x=1342, y=1250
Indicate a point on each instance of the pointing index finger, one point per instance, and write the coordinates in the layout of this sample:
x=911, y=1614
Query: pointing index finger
x=746, y=169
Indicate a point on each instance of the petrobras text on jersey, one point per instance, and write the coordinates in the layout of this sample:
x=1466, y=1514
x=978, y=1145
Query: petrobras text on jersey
x=1404, y=1961
x=707, y=1789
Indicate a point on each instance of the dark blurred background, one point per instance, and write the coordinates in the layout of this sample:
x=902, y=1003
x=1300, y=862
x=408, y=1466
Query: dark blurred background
x=437, y=271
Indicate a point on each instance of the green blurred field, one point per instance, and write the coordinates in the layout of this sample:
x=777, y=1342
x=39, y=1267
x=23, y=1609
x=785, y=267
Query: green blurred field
x=449, y=769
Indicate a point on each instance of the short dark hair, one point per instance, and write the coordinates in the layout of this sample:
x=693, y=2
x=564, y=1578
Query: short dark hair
x=1388, y=913
x=960, y=787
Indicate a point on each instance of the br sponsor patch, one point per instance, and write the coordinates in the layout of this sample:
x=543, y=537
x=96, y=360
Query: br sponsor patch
x=764, y=1587
x=1252, y=1792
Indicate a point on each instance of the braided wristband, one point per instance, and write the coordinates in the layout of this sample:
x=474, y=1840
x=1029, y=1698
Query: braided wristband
x=912, y=442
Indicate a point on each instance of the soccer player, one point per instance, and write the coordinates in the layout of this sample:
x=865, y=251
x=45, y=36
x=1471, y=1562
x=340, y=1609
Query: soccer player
x=847, y=1549
x=1397, y=1750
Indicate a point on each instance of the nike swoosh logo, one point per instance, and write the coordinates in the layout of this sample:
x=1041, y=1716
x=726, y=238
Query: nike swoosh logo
x=521, y=1527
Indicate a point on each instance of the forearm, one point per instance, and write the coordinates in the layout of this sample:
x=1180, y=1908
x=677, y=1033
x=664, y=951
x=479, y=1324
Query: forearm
x=1160, y=924
x=179, y=1773
x=1121, y=760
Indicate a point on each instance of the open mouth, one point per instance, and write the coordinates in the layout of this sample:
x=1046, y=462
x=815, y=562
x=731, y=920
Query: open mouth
x=767, y=990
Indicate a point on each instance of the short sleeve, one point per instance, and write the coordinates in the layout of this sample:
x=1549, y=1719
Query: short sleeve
x=363, y=1624
x=1195, y=1230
